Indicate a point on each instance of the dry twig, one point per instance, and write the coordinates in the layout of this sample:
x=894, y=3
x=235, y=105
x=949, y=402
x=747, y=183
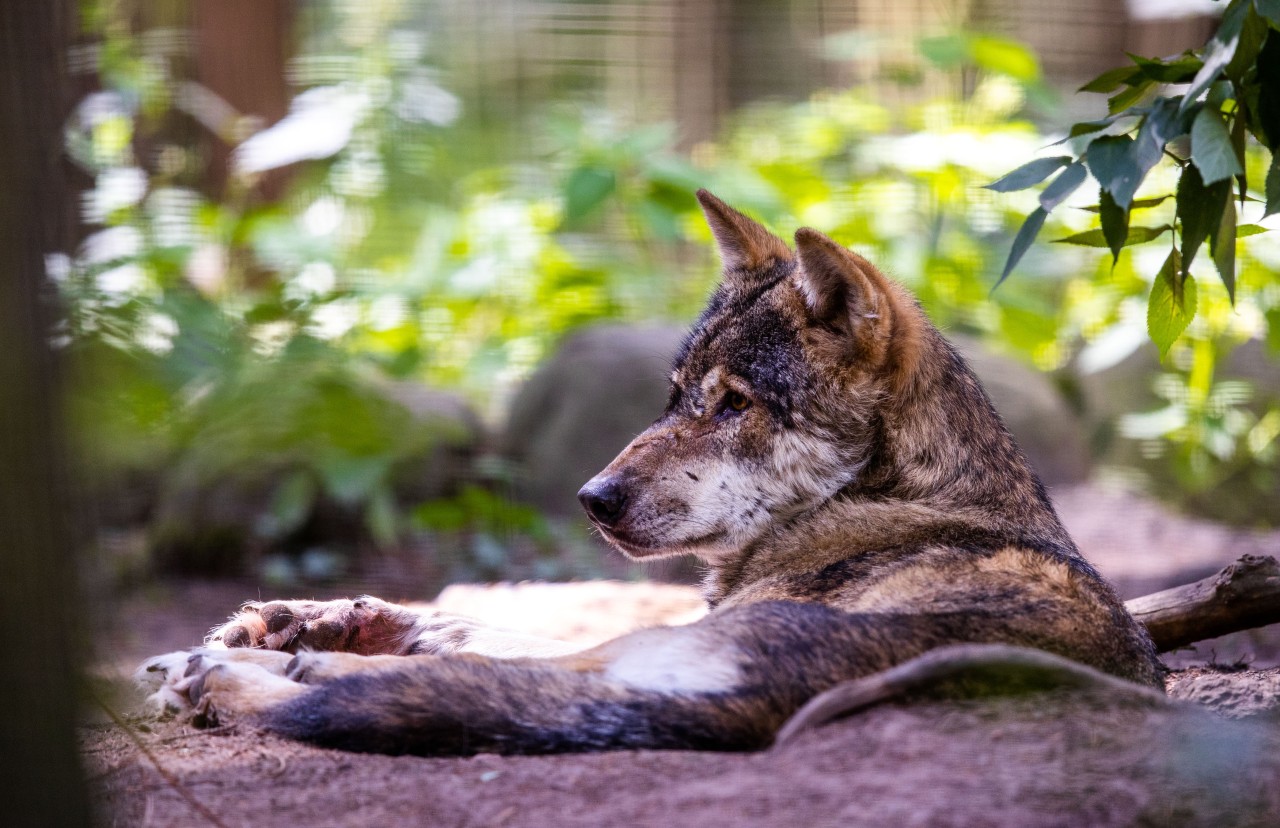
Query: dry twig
x=1242, y=596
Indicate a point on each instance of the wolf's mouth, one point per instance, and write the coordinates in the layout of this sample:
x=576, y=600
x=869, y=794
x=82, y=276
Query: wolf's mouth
x=625, y=542
x=635, y=548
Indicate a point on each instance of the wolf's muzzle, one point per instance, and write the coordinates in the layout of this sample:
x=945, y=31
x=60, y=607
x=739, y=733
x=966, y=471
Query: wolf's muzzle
x=604, y=500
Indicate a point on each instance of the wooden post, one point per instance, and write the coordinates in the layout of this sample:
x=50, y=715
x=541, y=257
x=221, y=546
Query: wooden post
x=41, y=782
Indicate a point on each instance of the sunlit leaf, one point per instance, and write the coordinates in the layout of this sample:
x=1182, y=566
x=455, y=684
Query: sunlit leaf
x=1022, y=241
x=1218, y=52
x=1112, y=79
x=1253, y=31
x=1004, y=56
x=1029, y=174
x=1126, y=98
x=1172, y=304
x=1096, y=238
x=1136, y=204
x=1211, y=148
x=1086, y=127
x=1246, y=230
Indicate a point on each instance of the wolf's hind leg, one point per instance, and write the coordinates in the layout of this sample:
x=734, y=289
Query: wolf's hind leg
x=167, y=677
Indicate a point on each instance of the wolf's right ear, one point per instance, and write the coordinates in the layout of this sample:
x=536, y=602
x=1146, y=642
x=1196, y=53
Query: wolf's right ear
x=745, y=245
x=842, y=289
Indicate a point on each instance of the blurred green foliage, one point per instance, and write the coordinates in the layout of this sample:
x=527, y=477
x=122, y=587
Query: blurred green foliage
x=417, y=239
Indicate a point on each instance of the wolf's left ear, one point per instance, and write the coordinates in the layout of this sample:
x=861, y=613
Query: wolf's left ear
x=840, y=288
x=745, y=245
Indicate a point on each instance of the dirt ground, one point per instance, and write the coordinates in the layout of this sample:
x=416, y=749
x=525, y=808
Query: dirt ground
x=1208, y=756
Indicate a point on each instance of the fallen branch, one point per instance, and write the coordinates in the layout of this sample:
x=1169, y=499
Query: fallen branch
x=1242, y=596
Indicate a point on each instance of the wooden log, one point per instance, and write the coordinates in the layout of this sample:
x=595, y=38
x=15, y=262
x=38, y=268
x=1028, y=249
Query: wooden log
x=1242, y=596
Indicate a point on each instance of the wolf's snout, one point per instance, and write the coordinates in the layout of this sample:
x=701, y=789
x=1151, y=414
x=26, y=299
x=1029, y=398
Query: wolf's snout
x=604, y=500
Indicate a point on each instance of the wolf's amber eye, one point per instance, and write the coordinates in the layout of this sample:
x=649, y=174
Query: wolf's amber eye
x=736, y=402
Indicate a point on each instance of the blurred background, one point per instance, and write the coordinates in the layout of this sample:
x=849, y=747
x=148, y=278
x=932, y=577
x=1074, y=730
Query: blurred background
x=364, y=291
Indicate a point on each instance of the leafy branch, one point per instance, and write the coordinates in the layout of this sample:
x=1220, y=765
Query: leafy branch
x=1233, y=91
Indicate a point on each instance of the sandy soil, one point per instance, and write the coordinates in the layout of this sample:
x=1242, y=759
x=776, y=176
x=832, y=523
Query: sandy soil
x=1066, y=759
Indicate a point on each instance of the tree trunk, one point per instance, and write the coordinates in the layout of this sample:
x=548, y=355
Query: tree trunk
x=242, y=53
x=41, y=781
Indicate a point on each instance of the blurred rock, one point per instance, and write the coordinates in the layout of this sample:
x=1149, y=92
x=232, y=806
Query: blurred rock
x=602, y=387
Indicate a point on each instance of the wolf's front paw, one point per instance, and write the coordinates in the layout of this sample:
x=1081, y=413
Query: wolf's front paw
x=366, y=626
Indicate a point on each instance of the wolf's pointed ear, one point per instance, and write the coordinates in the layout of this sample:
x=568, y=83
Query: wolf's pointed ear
x=745, y=245
x=840, y=288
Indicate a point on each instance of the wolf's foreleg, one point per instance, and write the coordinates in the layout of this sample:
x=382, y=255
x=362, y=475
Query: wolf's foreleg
x=371, y=626
x=728, y=682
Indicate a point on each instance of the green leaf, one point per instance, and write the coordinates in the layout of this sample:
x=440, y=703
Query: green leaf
x=1112, y=163
x=1136, y=204
x=1126, y=98
x=1268, y=9
x=350, y=479
x=1211, y=148
x=1096, y=238
x=1085, y=127
x=1161, y=125
x=1273, y=186
x=1222, y=247
x=1026, y=235
x=1238, y=129
x=380, y=517
x=1172, y=304
x=1115, y=224
x=1061, y=188
x=1199, y=210
x=1029, y=174
x=1113, y=79
x=1179, y=70
x=1244, y=231
x=1253, y=31
x=1218, y=51
x=585, y=189
x=946, y=51
x=291, y=504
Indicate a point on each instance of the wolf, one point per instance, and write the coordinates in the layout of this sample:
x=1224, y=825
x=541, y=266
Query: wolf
x=862, y=512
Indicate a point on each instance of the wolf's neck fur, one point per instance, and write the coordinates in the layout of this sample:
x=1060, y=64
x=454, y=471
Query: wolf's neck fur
x=944, y=471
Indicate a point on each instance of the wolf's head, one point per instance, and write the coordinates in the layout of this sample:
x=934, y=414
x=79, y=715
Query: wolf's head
x=802, y=380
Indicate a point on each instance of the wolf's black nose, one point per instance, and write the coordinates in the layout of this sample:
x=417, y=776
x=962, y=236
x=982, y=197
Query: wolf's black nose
x=604, y=501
